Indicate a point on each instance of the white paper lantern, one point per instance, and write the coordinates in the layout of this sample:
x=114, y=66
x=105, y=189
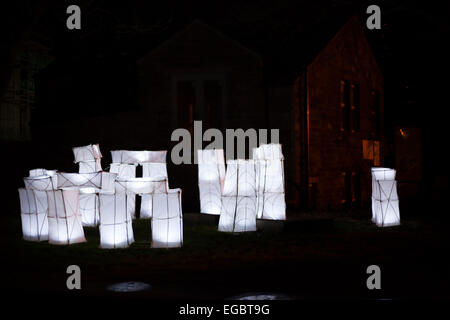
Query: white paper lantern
x=90, y=166
x=238, y=211
x=99, y=180
x=142, y=185
x=211, y=177
x=167, y=220
x=90, y=152
x=42, y=172
x=154, y=169
x=123, y=170
x=138, y=157
x=116, y=229
x=41, y=183
x=33, y=213
x=379, y=173
x=269, y=162
x=145, y=187
x=89, y=206
x=385, y=203
x=64, y=217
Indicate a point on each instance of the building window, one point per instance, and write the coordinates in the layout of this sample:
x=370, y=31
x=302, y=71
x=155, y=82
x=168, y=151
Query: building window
x=371, y=151
x=355, y=107
x=186, y=99
x=349, y=106
x=345, y=105
x=375, y=109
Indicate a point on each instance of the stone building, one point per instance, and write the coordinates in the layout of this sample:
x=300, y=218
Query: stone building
x=336, y=130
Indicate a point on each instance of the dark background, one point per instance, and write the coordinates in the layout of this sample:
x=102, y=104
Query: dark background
x=98, y=62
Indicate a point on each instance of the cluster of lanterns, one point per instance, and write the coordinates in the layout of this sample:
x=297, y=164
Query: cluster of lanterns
x=55, y=206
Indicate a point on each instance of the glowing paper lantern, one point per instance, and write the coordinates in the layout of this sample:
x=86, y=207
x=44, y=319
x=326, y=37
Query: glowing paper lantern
x=89, y=206
x=123, y=170
x=64, y=217
x=90, y=166
x=138, y=157
x=116, y=229
x=33, y=213
x=42, y=172
x=167, y=220
x=99, y=180
x=239, y=205
x=211, y=177
x=34, y=203
x=90, y=152
x=385, y=203
x=144, y=187
x=89, y=185
x=379, y=173
x=41, y=183
x=88, y=157
x=157, y=169
x=269, y=163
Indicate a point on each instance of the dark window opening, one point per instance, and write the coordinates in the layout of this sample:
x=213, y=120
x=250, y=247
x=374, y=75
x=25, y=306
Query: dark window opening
x=186, y=98
x=355, y=108
x=345, y=105
x=375, y=109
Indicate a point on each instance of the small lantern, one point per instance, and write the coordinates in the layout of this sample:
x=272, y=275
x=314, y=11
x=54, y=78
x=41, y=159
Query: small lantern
x=211, y=177
x=385, y=203
x=116, y=229
x=88, y=157
x=33, y=213
x=64, y=217
x=167, y=220
x=238, y=211
x=269, y=163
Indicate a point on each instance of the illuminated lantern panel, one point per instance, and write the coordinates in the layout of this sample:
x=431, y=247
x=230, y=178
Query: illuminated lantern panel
x=99, y=180
x=116, y=229
x=88, y=158
x=211, y=176
x=238, y=214
x=122, y=170
x=385, y=203
x=145, y=187
x=151, y=170
x=135, y=157
x=383, y=173
x=167, y=220
x=41, y=183
x=269, y=163
x=379, y=173
x=90, y=166
x=33, y=213
x=89, y=206
x=64, y=217
x=238, y=211
x=385, y=218
x=90, y=152
x=42, y=172
x=34, y=203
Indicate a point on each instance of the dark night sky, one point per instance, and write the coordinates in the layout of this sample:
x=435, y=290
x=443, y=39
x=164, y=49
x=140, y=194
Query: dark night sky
x=411, y=47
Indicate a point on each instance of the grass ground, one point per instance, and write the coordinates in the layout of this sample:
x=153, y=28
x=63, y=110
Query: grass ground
x=299, y=262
